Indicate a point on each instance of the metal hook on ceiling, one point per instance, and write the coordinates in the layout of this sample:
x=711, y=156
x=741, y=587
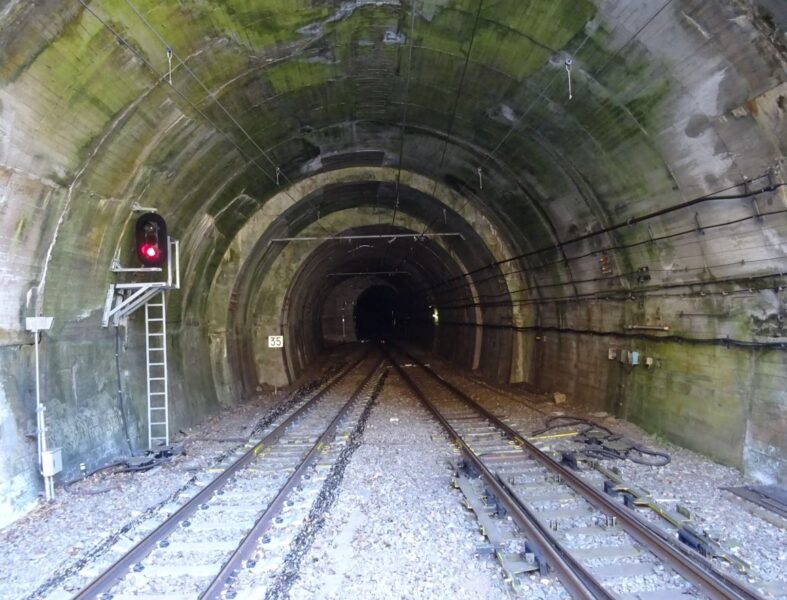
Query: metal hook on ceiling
x=169, y=60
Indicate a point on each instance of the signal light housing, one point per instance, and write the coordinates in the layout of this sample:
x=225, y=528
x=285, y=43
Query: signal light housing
x=150, y=237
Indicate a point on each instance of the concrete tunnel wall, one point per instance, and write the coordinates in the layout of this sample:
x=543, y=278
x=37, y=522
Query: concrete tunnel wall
x=273, y=103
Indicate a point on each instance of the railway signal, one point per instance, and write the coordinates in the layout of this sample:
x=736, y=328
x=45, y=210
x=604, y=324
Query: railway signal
x=150, y=236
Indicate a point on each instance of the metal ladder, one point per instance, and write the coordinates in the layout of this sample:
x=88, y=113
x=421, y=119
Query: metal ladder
x=156, y=369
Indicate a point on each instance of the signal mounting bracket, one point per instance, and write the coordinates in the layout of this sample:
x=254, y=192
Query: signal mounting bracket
x=124, y=298
x=137, y=208
x=116, y=267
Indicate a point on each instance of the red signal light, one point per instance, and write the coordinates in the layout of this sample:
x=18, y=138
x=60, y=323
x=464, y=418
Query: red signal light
x=150, y=235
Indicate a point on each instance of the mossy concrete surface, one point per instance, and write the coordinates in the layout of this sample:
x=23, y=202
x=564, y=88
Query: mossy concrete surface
x=279, y=117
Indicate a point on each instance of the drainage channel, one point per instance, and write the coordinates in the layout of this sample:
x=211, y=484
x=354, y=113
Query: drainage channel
x=197, y=550
x=597, y=547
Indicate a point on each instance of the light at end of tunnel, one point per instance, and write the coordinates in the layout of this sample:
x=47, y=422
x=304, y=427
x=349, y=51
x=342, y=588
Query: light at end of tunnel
x=435, y=315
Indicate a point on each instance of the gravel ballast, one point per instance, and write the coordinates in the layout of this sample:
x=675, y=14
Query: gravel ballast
x=398, y=528
x=395, y=528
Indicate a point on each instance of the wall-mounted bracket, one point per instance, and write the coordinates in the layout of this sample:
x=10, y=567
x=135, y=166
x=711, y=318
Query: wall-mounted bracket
x=137, y=208
x=116, y=267
x=756, y=208
x=699, y=225
x=125, y=298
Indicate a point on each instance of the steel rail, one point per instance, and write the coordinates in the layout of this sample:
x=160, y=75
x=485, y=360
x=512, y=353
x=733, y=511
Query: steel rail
x=578, y=581
x=120, y=567
x=686, y=561
x=250, y=540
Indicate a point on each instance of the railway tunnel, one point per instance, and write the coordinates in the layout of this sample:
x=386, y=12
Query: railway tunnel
x=581, y=197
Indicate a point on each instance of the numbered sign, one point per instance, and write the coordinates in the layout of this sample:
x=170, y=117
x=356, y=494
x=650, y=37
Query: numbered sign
x=275, y=341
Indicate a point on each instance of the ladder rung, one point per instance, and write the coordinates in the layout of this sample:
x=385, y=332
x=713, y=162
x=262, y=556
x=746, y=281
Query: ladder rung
x=157, y=378
x=154, y=423
x=154, y=320
x=156, y=364
x=158, y=408
x=157, y=394
x=156, y=349
x=156, y=334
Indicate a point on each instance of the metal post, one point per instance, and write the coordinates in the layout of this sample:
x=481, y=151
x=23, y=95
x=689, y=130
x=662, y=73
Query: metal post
x=41, y=437
x=36, y=325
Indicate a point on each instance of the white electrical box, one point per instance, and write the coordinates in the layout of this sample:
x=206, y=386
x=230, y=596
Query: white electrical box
x=633, y=357
x=612, y=353
x=51, y=462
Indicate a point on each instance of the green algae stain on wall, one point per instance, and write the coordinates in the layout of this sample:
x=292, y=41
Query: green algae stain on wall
x=254, y=25
x=517, y=37
x=695, y=396
x=549, y=24
x=289, y=76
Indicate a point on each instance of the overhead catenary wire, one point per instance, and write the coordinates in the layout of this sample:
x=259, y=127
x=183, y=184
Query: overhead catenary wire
x=544, y=89
x=171, y=52
x=405, y=105
x=163, y=77
x=457, y=97
x=515, y=126
x=277, y=174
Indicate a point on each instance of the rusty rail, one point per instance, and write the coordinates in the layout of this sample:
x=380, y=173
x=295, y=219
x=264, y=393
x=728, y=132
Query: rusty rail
x=110, y=577
x=687, y=562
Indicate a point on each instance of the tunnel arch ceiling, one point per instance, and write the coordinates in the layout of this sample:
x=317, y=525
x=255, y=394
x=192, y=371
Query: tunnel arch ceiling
x=672, y=101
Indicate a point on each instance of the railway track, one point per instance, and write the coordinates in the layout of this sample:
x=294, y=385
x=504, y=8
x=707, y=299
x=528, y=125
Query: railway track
x=597, y=547
x=252, y=507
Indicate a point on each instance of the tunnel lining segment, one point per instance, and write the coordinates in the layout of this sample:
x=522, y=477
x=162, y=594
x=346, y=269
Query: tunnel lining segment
x=224, y=299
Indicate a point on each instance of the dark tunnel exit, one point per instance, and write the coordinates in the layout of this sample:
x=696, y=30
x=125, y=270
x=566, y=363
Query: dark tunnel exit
x=378, y=313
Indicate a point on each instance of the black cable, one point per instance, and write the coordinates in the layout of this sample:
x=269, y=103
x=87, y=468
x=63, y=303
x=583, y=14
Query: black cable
x=568, y=421
x=596, y=443
x=67, y=484
x=662, y=458
x=628, y=274
x=621, y=334
x=121, y=403
x=631, y=221
x=624, y=293
x=603, y=250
